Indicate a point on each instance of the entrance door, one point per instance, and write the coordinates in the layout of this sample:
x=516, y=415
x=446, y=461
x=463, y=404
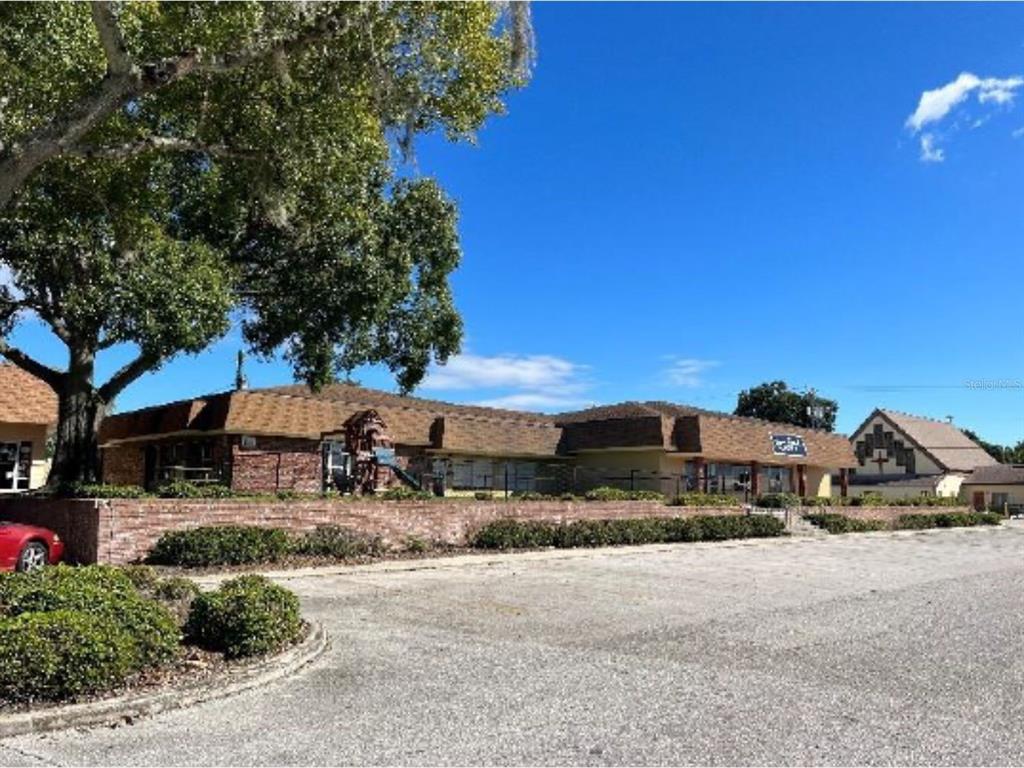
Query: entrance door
x=8, y=466
x=979, y=500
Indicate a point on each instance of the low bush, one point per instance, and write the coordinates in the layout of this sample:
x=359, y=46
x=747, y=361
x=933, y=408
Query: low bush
x=927, y=501
x=483, y=495
x=835, y=523
x=105, y=593
x=817, y=501
x=534, y=496
x=102, y=491
x=182, y=489
x=610, y=493
x=220, y=545
x=335, y=541
x=515, y=534
x=417, y=545
x=696, y=499
x=947, y=520
x=404, y=493
x=246, y=616
x=61, y=654
x=778, y=500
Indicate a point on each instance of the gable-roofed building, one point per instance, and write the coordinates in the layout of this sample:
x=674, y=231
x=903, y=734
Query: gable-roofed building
x=899, y=455
x=285, y=438
x=28, y=411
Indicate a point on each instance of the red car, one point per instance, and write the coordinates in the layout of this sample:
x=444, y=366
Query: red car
x=27, y=547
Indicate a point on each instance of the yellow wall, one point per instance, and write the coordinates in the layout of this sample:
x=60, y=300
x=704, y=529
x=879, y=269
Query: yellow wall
x=36, y=433
x=1015, y=493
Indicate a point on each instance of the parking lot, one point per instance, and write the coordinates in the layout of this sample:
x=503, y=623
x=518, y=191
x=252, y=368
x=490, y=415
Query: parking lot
x=862, y=649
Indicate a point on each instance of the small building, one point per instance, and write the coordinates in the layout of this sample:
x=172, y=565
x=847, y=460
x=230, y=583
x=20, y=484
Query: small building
x=900, y=455
x=998, y=487
x=28, y=413
x=289, y=438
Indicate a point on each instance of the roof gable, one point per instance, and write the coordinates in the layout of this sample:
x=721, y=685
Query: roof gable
x=24, y=399
x=943, y=442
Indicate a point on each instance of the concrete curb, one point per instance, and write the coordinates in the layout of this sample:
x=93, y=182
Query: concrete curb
x=501, y=558
x=130, y=706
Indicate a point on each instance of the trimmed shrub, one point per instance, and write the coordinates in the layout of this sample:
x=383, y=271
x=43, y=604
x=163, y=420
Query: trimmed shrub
x=61, y=654
x=404, y=493
x=335, y=541
x=778, y=500
x=182, y=489
x=515, y=534
x=101, y=591
x=143, y=577
x=947, y=520
x=610, y=493
x=247, y=616
x=817, y=501
x=176, y=588
x=835, y=523
x=220, y=545
x=417, y=544
x=695, y=499
x=534, y=496
x=483, y=495
x=102, y=491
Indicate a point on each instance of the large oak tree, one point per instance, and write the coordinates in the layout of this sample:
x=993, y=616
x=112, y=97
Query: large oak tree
x=165, y=167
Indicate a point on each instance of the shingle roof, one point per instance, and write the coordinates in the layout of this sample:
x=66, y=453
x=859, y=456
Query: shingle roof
x=298, y=412
x=24, y=399
x=295, y=411
x=947, y=446
x=998, y=474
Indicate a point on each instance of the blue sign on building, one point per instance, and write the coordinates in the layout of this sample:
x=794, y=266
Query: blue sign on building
x=788, y=445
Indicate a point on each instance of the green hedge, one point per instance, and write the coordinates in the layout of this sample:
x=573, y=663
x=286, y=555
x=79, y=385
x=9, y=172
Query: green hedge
x=246, y=616
x=835, y=523
x=220, y=545
x=515, y=534
x=694, y=499
x=335, y=541
x=778, y=500
x=61, y=654
x=610, y=493
x=947, y=520
x=66, y=631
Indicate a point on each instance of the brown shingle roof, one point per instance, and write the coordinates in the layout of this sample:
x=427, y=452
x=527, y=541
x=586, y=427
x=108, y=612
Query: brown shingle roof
x=295, y=411
x=947, y=446
x=997, y=474
x=24, y=399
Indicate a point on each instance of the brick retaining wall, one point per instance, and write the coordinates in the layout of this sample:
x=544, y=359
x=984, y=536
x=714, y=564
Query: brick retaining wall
x=123, y=530
x=885, y=513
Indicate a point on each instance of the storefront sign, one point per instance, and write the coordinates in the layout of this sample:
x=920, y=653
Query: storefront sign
x=788, y=445
x=385, y=457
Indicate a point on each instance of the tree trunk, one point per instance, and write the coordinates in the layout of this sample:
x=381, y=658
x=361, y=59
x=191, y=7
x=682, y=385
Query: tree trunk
x=80, y=410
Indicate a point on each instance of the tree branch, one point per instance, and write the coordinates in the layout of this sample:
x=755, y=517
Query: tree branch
x=103, y=18
x=129, y=373
x=168, y=143
x=64, y=132
x=46, y=373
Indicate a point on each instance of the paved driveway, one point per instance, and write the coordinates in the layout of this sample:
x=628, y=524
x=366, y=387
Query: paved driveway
x=881, y=649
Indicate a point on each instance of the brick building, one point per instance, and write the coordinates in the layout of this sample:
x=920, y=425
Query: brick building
x=283, y=438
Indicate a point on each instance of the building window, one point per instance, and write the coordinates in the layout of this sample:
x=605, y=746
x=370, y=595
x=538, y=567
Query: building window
x=999, y=501
x=775, y=479
x=15, y=466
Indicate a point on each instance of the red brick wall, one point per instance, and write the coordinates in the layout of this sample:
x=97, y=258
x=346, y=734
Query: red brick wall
x=124, y=464
x=277, y=464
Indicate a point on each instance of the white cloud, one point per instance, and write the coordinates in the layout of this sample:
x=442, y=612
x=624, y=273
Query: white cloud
x=929, y=152
x=530, y=382
x=1017, y=132
x=936, y=104
x=688, y=371
x=533, y=401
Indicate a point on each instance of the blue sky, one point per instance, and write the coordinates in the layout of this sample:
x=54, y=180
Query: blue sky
x=689, y=200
